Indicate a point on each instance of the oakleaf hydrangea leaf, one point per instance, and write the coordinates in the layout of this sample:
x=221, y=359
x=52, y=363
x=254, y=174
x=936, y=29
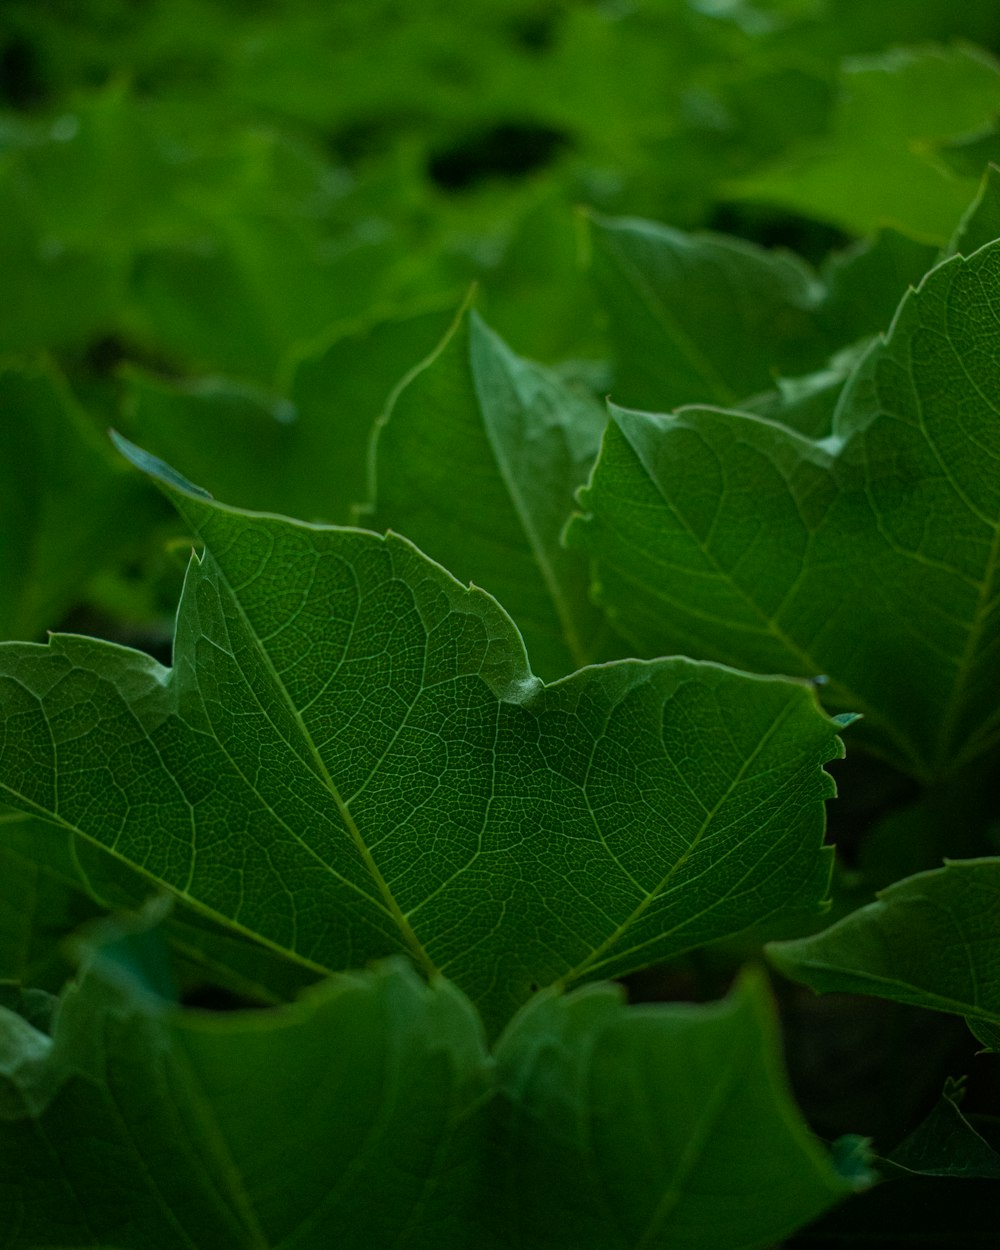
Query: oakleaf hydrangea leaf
x=350, y=757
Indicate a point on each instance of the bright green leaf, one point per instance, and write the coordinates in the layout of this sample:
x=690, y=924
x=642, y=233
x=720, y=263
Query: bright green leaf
x=870, y=559
x=476, y=461
x=880, y=164
x=932, y=940
x=644, y=1127
x=351, y=757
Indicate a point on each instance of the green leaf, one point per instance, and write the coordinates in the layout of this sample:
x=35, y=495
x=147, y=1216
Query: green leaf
x=351, y=757
x=347, y=1118
x=40, y=903
x=302, y=453
x=880, y=164
x=476, y=461
x=981, y=222
x=700, y=317
x=51, y=880
x=946, y=1143
x=645, y=1126
x=66, y=507
x=870, y=559
x=931, y=940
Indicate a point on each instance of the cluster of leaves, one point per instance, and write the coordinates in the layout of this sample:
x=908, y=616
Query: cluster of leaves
x=534, y=692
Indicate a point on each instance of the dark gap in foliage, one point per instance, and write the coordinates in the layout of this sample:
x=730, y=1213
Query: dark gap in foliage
x=694, y=978
x=770, y=227
x=103, y=357
x=859, y=1064
x=363, y=138
x=509, y=150
x=22, y=83
x=87, y=620
x=867, y=790
x=207, y=997
x=534, y=32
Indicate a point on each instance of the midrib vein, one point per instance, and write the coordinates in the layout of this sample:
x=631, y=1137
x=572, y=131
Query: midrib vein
x=323, y=773
x=571, y=635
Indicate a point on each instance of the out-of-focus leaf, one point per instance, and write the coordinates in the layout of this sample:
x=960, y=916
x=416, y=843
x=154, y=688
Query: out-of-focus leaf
x=981, y=222
x=643, y=1126
x=302, y=453
x=879, y=165
x=348, y=1116
x=66, y=507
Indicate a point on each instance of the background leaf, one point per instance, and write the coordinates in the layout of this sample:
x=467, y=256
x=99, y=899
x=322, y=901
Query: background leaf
x=66, y=507
x=347, y=1116
x=932, y=940
x=881, y=163
x=641, y=1126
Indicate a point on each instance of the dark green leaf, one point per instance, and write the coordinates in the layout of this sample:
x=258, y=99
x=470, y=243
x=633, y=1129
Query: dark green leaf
x=344, y=1119
x=350, y=757
x=476, y=461
x=643, y=1126
x=932, y=940
x=869, y=559
x=66, y=507
x=946, y=1143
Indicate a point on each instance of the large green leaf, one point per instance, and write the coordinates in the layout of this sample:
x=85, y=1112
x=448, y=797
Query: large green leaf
x=347, y=1118
x=351, y=757
x=870, y=558
x=66, y=507
x=932, y=940
x=656, y=1126
x=880, y=164
x=476, y=461
x=51, y=880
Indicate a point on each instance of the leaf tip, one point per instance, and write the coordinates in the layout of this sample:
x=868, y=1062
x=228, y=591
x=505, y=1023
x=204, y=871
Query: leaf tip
x=154, y=467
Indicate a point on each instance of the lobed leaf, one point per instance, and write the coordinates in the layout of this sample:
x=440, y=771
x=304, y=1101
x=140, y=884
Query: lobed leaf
x=870, y=558
x=350, y=757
